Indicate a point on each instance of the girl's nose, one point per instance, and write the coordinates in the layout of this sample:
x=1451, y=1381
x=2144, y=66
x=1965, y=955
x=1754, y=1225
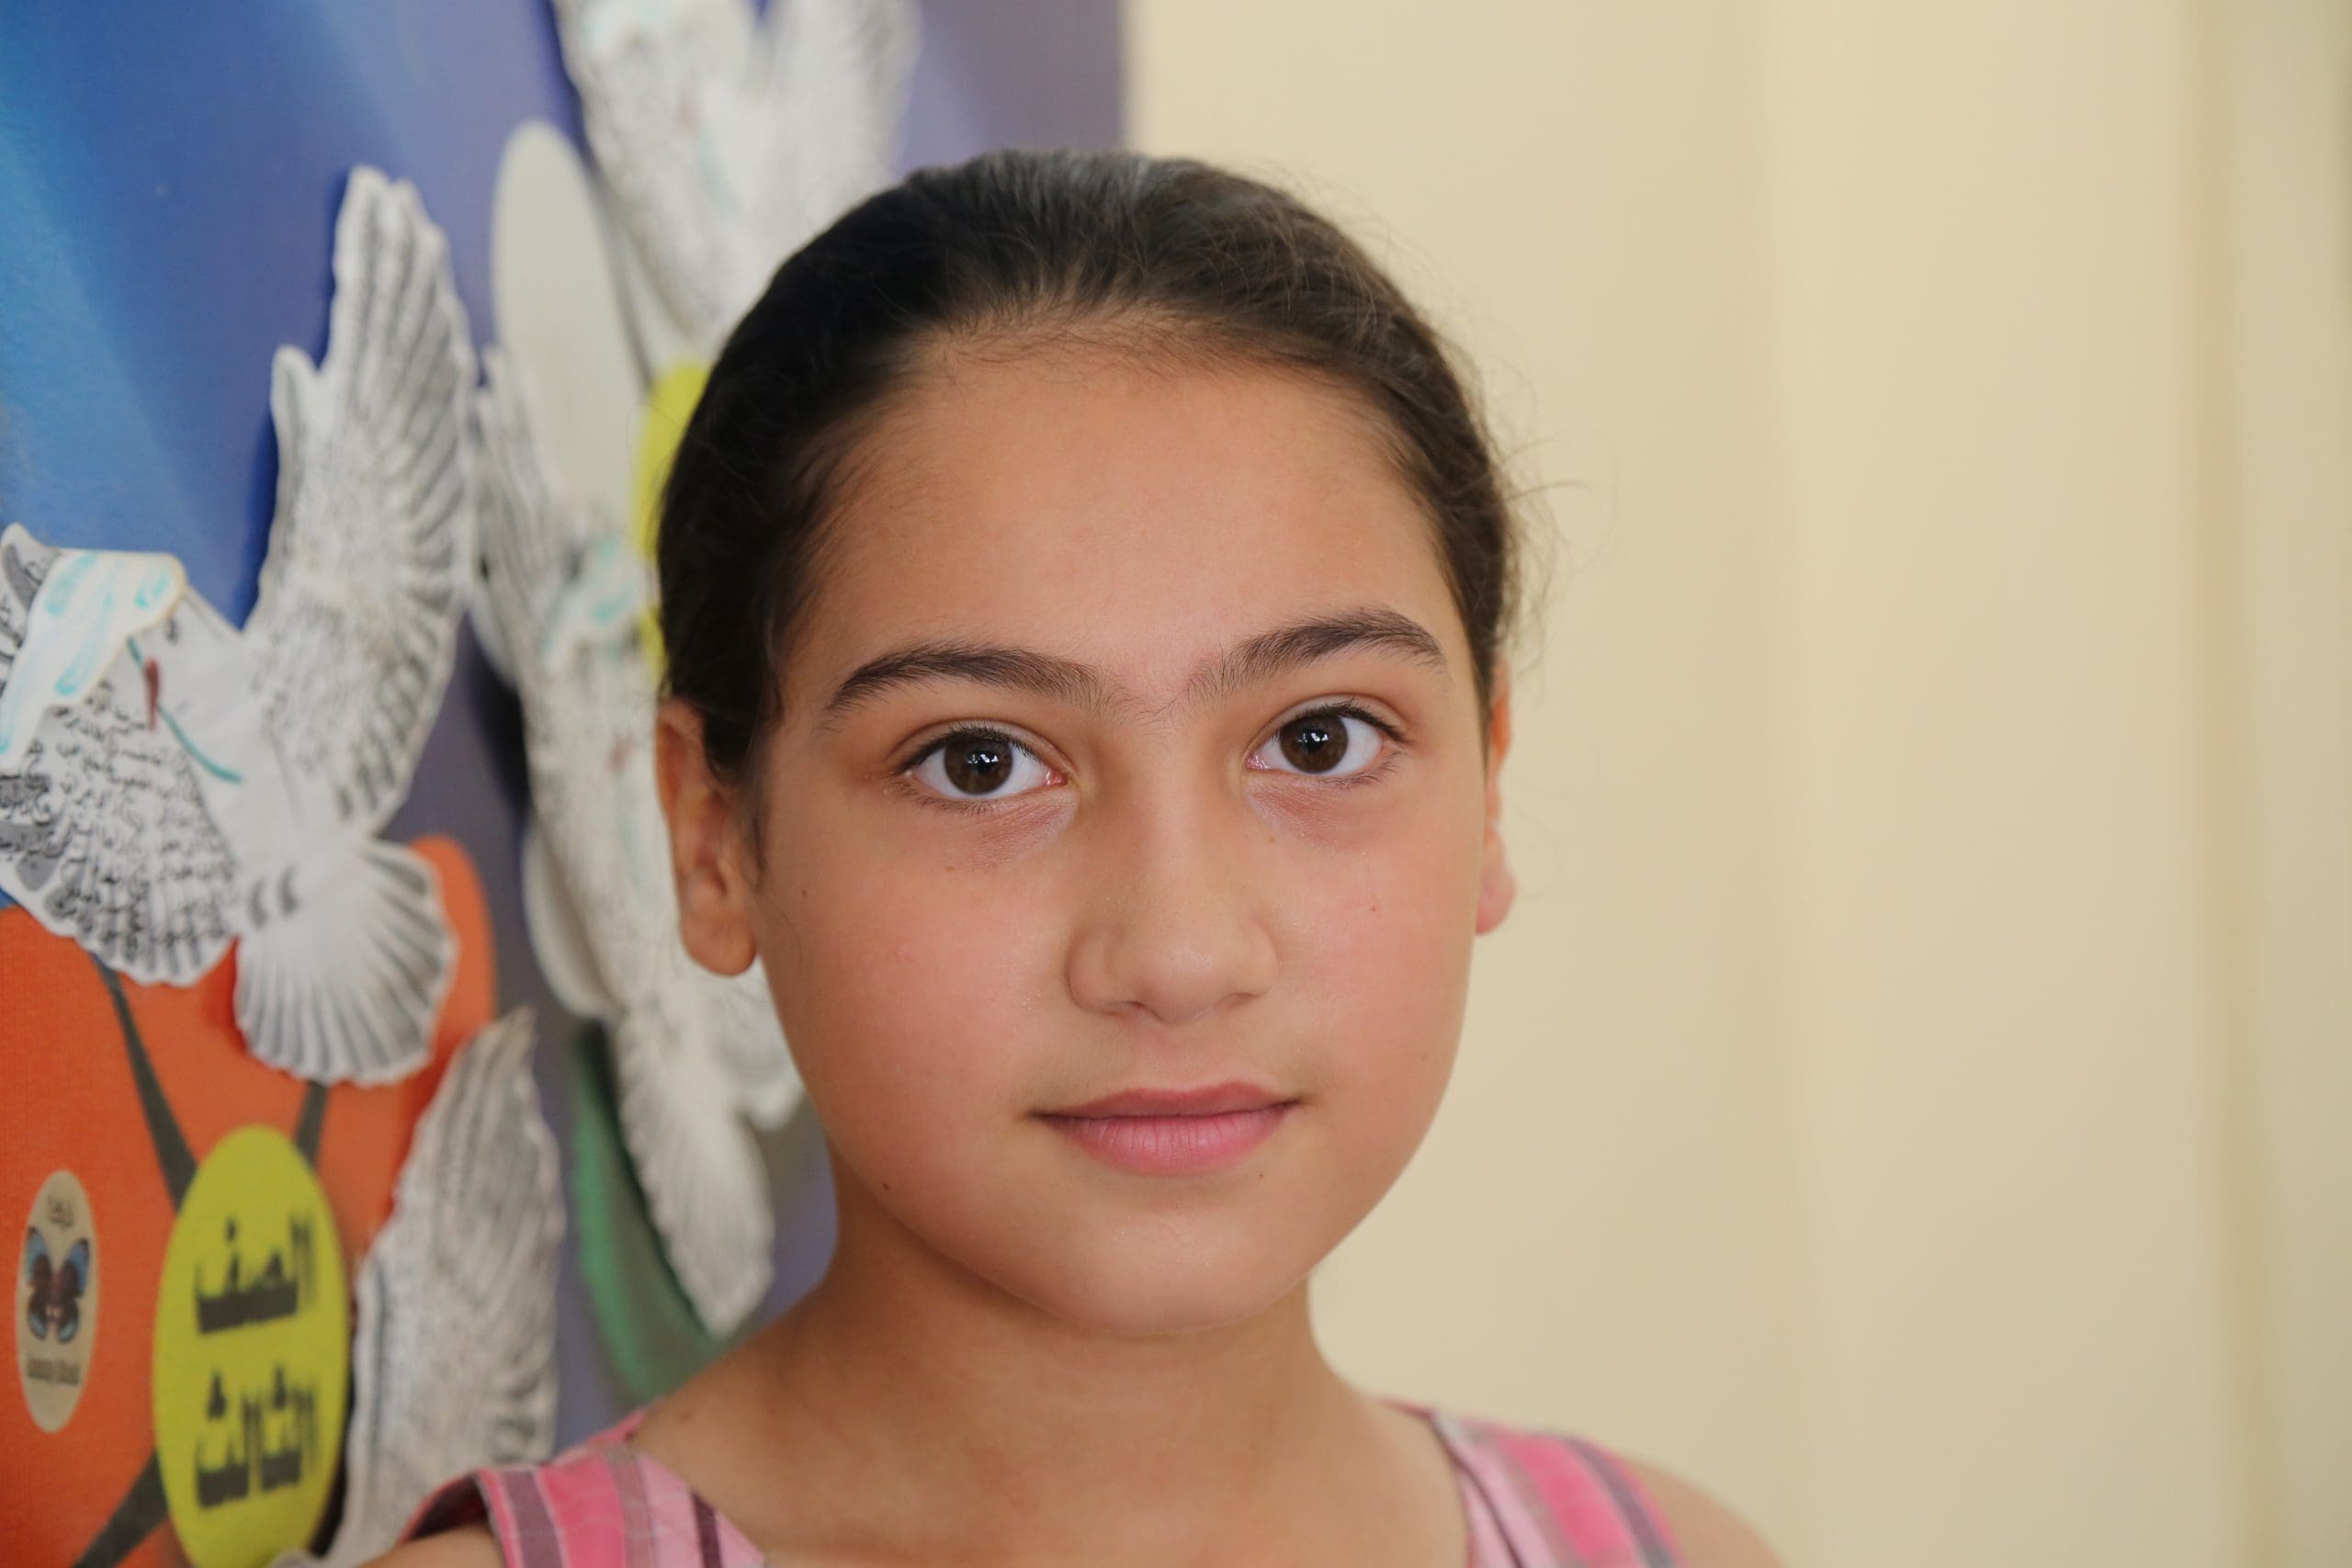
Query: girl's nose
x=1173, y=931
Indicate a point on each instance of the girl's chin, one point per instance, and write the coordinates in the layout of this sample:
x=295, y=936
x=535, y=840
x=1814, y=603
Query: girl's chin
x=1154, y=1284
x=1162, y=1309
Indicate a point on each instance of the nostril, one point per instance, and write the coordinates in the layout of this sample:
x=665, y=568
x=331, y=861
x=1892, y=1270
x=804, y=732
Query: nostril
x=1172, y=971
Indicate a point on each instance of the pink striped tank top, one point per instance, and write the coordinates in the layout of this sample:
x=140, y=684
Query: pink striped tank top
x=1532, y=1501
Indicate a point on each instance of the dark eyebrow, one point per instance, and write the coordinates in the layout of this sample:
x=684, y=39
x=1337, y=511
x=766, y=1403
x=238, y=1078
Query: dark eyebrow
x=1082, y=685
x=1063, y=680
x=1286, y=648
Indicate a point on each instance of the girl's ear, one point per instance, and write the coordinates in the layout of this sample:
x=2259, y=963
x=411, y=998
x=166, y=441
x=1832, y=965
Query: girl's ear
x=709, y=860
x=1496, y=888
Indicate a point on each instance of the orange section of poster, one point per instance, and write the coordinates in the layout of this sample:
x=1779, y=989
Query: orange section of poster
x=75, y=1101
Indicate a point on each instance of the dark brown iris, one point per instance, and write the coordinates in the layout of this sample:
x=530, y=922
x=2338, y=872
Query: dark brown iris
x=978, y=764
x=1316, y=743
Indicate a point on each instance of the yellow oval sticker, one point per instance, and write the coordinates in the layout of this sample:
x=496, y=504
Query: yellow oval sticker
x=252, y=1354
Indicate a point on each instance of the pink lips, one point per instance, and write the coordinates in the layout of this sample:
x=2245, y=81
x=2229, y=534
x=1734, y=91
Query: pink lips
x=1173, y=1132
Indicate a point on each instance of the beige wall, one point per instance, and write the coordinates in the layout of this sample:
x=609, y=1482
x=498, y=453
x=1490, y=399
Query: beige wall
x=1902, y=1099
x=2282, y=594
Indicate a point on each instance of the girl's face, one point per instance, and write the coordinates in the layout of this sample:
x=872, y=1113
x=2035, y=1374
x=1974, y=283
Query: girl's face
x=1131, y=748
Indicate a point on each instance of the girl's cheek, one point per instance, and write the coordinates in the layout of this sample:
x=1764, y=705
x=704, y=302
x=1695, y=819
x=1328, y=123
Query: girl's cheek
x=915, y=987
x=1381, y=944
x=1372, y=889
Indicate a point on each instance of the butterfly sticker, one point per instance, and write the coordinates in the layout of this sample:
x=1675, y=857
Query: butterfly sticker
x=53, y=1306
x=57, y=1301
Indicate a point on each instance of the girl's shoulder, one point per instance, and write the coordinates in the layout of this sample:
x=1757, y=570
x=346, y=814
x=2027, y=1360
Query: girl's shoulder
x=1537, y=1499
x=600, y=1504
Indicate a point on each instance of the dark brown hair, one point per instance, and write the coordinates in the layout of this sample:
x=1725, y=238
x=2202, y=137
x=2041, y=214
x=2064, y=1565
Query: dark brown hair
x=1160, y=254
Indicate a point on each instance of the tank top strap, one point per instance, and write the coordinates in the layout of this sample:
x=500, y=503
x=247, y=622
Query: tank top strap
x=598, y=1505
x=1539, y=1500
x=1535, y=1499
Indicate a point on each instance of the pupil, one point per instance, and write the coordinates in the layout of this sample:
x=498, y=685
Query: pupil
x=1314, y=745
x=979, y=767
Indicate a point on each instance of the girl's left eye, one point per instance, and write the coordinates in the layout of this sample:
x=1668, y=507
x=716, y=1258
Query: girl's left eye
x=978, y=764
x=1328, y=743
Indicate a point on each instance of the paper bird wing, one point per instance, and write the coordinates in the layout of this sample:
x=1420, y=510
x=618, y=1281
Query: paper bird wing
x=453, y=1352
x=705, y=1187
x=566, y=596
x=529, y=538
x=728, y=140
x=838, y=81
x=370, y=555
x=106, y=834
x=659, y=81
x=746, y=1040
x=563, y=595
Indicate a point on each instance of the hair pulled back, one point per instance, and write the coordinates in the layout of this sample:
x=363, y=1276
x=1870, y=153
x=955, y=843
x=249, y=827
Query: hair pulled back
x=1170, y=255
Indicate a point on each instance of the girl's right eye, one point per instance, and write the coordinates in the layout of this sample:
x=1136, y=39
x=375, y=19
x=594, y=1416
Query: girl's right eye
x=966, y=765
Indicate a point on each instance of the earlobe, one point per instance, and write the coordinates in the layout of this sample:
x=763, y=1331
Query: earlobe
x=707, y=861
x=1497, y=887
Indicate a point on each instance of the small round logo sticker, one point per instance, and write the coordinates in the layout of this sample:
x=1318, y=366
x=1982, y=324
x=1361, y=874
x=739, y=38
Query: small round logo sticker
x=57, y=1300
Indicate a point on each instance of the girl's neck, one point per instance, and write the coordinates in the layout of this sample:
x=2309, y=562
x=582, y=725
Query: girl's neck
x=915, y=1351
x=916, y=1406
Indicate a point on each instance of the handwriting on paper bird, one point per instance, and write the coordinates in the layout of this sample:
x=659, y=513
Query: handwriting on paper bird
x=203, y=784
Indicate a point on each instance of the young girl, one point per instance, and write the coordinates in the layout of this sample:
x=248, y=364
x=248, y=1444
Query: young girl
x=1086, y=587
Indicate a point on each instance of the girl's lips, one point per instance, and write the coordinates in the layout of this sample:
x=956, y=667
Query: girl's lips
x=1207, y=1099
x=1177, y=1144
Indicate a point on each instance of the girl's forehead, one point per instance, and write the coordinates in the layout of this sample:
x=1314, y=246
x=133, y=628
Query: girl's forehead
x=1135, y=512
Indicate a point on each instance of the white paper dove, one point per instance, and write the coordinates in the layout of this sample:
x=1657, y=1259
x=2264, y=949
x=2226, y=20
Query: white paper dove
x=694, y=1052
x=211, y=785
x=453, y=1343
x=728, y=139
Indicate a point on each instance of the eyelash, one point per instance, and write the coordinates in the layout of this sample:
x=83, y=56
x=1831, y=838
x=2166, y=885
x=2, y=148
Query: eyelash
x=1345, y=709
x=904, y=773
x=1341, y=709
